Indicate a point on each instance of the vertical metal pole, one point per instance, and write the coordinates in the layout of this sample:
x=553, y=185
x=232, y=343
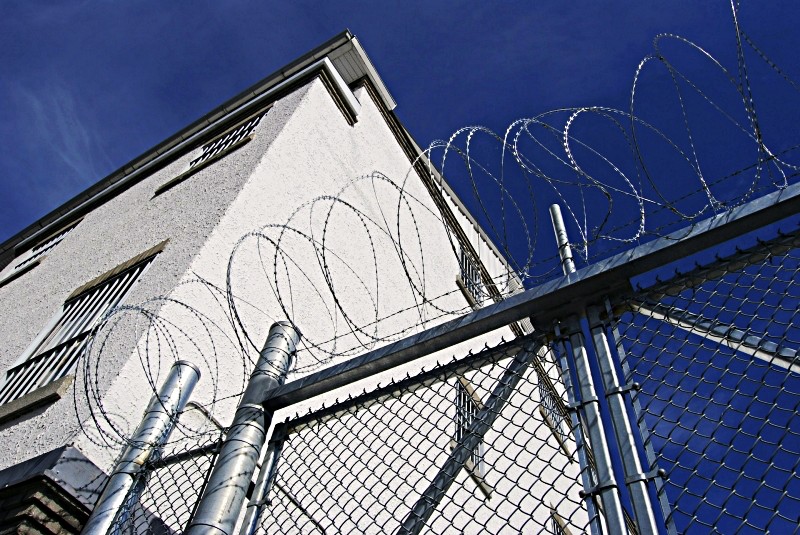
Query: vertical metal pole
x=156, y=424
x=635, y=477
x=266, y=477
x=606, y=484
x=564, y=250
x=221, y=504
x=583, y=459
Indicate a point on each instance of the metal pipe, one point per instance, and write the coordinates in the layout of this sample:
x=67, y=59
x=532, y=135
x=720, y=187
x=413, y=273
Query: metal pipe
x=219, y=508
x=564, y=250
x=583, y=458
x=606, y=482
x=724, y=334
x=266, y=478
x=544, y=304
x=153, y=430
x=606, y=485
x=635, y=477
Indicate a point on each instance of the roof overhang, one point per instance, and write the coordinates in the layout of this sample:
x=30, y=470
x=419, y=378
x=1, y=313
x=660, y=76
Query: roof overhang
x=342, y=57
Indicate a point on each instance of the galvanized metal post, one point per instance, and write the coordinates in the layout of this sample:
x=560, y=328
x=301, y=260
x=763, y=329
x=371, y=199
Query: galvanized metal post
x=635, y=478
x=606, y=485
x=564, y=250
x=598, y=439
x=583, y=458
x=266, y=478
x=221, y=504
x=155, y=427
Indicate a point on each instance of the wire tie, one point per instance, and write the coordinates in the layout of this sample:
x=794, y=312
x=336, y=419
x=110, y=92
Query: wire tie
x=652, y=474
x=580, y=404
x=624, y=388
x=597, y=489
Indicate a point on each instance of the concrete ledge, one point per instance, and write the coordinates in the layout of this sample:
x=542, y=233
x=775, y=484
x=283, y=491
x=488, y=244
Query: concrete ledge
x=52, y=493
x=40, y=506
x=49, y=393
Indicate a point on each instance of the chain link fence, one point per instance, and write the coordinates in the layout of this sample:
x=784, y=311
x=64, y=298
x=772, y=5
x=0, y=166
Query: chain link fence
x=388, y=459
x=169, y=486
x=716, y=354
x=697, y=377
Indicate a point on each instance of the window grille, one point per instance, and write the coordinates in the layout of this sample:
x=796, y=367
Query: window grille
x=42, y=249
x=471, y=276
x=58, y=352
x=467, y=408
x=553, y=411
x=226, y=141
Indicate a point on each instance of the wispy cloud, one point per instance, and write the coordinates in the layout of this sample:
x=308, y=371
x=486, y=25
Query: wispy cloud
x=62, y=130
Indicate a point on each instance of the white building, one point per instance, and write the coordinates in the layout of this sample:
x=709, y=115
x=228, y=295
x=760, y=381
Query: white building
x=308, y=197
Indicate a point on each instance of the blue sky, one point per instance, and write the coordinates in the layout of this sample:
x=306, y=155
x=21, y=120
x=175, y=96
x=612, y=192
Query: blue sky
x=88, y=86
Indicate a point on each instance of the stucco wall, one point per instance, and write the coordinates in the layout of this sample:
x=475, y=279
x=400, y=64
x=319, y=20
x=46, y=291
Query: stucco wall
x=377, y=255
x=317, y=153
x=108, y=236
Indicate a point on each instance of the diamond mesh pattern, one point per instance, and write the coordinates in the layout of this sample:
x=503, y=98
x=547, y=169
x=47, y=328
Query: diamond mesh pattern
x=716, y=355
x=169, y=488
x=362, y=465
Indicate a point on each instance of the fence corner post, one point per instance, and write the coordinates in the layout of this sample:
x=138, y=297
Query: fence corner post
x=153, y=430
x=221, y=503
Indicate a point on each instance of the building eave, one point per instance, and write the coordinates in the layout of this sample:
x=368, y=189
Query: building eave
x=343, y=52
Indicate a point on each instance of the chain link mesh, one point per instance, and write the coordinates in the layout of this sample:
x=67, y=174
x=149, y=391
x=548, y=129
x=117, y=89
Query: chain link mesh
x=715, y=353
x=168, y=487
x=489, y=442
x=364, y=465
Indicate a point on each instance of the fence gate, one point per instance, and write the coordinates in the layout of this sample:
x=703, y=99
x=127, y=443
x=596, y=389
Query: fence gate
x=482, y=444
x=658, y=392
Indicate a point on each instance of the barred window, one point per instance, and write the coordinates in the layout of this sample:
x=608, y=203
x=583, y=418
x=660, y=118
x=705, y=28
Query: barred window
x=470, y=278
x=467, y=407
x=41, y=249
x=554, y=413
x=220, y=146
x=227, y=141
x=30, y=258
x=57, y=350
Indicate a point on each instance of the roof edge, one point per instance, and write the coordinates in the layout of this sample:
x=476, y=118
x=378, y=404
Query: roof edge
x=212, y=118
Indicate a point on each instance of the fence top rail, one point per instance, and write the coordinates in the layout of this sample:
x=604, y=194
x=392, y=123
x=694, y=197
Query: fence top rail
x=550, y=301
x=424, y=379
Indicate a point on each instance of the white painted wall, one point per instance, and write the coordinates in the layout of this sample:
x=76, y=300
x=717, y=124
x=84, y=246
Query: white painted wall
x=303, y=148
x=123, y=227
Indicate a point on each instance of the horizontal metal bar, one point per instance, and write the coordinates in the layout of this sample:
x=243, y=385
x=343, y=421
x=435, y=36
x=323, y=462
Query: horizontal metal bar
x=550, y=301
x=744, y=257
x=723, y=334
x=423, y=380
x=209, y=449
